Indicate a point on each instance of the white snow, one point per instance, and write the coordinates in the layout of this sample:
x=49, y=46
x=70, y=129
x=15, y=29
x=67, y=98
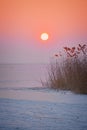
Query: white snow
x=25, y=105
x=42, y=110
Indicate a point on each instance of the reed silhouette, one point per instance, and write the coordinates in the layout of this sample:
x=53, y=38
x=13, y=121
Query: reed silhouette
x=71, y=72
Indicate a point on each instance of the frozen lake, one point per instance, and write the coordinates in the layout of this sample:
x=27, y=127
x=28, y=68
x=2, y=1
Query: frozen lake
x=26, y=105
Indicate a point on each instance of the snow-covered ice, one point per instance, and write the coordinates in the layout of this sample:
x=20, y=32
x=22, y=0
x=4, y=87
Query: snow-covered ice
x=24, y=105
x=42, y=110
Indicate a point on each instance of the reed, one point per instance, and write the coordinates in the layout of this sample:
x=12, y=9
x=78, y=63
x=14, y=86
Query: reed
x=71, y=72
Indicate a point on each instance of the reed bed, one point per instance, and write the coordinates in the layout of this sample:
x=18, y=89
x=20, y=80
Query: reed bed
x=71, y=72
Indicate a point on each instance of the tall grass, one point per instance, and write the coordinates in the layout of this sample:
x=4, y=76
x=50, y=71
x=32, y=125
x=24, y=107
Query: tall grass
x=71, y=72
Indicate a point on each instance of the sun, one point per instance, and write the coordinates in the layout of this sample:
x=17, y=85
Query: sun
x=44, y=36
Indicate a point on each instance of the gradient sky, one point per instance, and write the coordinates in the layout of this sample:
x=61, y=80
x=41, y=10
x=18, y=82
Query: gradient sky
x=22, y=22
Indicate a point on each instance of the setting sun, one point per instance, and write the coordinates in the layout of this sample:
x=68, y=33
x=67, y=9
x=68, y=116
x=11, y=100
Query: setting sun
x=44, y=36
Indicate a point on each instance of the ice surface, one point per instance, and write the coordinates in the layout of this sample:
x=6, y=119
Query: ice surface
x=42, y=115
x=25, y=105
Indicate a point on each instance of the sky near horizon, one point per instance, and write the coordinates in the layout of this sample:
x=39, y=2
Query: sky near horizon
x=23, y=21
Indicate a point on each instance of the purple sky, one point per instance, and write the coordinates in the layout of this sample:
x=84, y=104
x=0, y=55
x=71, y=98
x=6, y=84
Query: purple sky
x=23, y=21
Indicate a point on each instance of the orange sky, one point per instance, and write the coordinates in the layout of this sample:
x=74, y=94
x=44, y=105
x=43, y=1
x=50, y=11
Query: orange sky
x=29, y=18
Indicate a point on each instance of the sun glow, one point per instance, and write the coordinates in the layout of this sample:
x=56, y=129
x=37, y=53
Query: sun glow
x=44, y=36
